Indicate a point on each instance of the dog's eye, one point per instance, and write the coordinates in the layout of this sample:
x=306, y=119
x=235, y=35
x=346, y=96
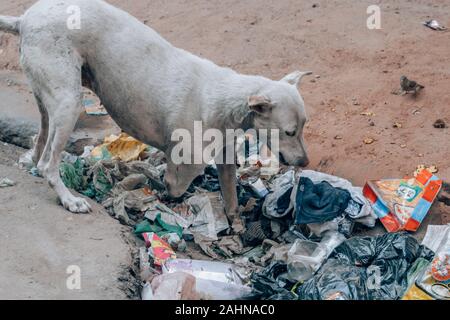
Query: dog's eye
x=291, y=133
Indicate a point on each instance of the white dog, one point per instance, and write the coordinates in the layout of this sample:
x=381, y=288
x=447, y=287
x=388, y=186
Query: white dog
x=149, y=87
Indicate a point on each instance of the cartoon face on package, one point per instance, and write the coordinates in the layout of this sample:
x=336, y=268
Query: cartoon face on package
x=409, y=191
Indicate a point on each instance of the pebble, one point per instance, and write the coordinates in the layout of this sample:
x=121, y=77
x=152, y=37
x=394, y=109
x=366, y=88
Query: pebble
x=440, y=124
x=5, y=182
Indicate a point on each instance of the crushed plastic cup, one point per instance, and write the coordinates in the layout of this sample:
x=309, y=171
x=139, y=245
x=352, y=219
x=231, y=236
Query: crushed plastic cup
x=306, y=257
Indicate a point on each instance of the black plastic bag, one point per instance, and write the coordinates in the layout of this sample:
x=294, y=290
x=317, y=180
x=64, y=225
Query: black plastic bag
x=270, y=283
x=368, y=268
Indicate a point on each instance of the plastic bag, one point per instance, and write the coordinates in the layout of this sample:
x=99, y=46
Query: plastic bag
x=413, y=292
x=72, y=175
x=367, y=268
x=340, y=224
x=306, y=257
x=175, y=286
x=271, y=283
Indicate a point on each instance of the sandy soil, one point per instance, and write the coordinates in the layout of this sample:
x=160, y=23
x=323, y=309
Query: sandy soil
x=356, y=69
x=40, y=240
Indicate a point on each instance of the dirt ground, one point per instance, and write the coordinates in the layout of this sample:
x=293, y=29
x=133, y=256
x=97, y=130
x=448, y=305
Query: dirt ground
x=40, y=241
x=355, y=69
x=358, y=69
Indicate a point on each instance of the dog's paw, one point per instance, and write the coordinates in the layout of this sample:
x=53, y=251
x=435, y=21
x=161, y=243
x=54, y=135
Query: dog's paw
x=238, y=226
x=76, y=205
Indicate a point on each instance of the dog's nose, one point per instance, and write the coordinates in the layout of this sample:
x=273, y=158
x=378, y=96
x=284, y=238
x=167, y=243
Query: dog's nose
x=302, y=162
x=173, y=190
x=168, y=185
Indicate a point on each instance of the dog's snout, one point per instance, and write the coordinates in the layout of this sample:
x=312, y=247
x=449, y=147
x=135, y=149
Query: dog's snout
x=173, y=189
x=283, y=160
x=297, y=162
x=302, y=162
x=169, y=185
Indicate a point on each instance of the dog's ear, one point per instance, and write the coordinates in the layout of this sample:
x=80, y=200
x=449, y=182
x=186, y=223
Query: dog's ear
x=259, y=104
x=295, y=77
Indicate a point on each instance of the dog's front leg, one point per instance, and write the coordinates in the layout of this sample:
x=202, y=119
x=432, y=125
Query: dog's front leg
x=227, y=179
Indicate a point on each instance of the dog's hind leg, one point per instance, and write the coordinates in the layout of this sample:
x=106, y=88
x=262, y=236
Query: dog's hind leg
x=31, y=158
x=62, y=123
x=58, y=80
x=41, y=140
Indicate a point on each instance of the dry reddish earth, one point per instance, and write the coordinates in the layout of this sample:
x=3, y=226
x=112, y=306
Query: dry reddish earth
x=272, y=38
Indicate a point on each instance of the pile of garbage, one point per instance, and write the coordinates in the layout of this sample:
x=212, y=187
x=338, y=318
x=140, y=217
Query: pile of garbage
x=299, y=241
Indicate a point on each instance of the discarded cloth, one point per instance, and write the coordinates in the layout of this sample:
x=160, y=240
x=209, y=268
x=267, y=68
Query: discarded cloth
x=228, y=246
x=359, y=207
x=257, y=232
x=319, y=202
x=208, y=181
x=367, y=268
x=278, y=203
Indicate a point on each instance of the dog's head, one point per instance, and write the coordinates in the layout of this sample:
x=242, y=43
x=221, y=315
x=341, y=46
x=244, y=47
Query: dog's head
x=279, y=105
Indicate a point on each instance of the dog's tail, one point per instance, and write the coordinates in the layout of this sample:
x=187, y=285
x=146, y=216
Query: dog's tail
x=10, y=24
